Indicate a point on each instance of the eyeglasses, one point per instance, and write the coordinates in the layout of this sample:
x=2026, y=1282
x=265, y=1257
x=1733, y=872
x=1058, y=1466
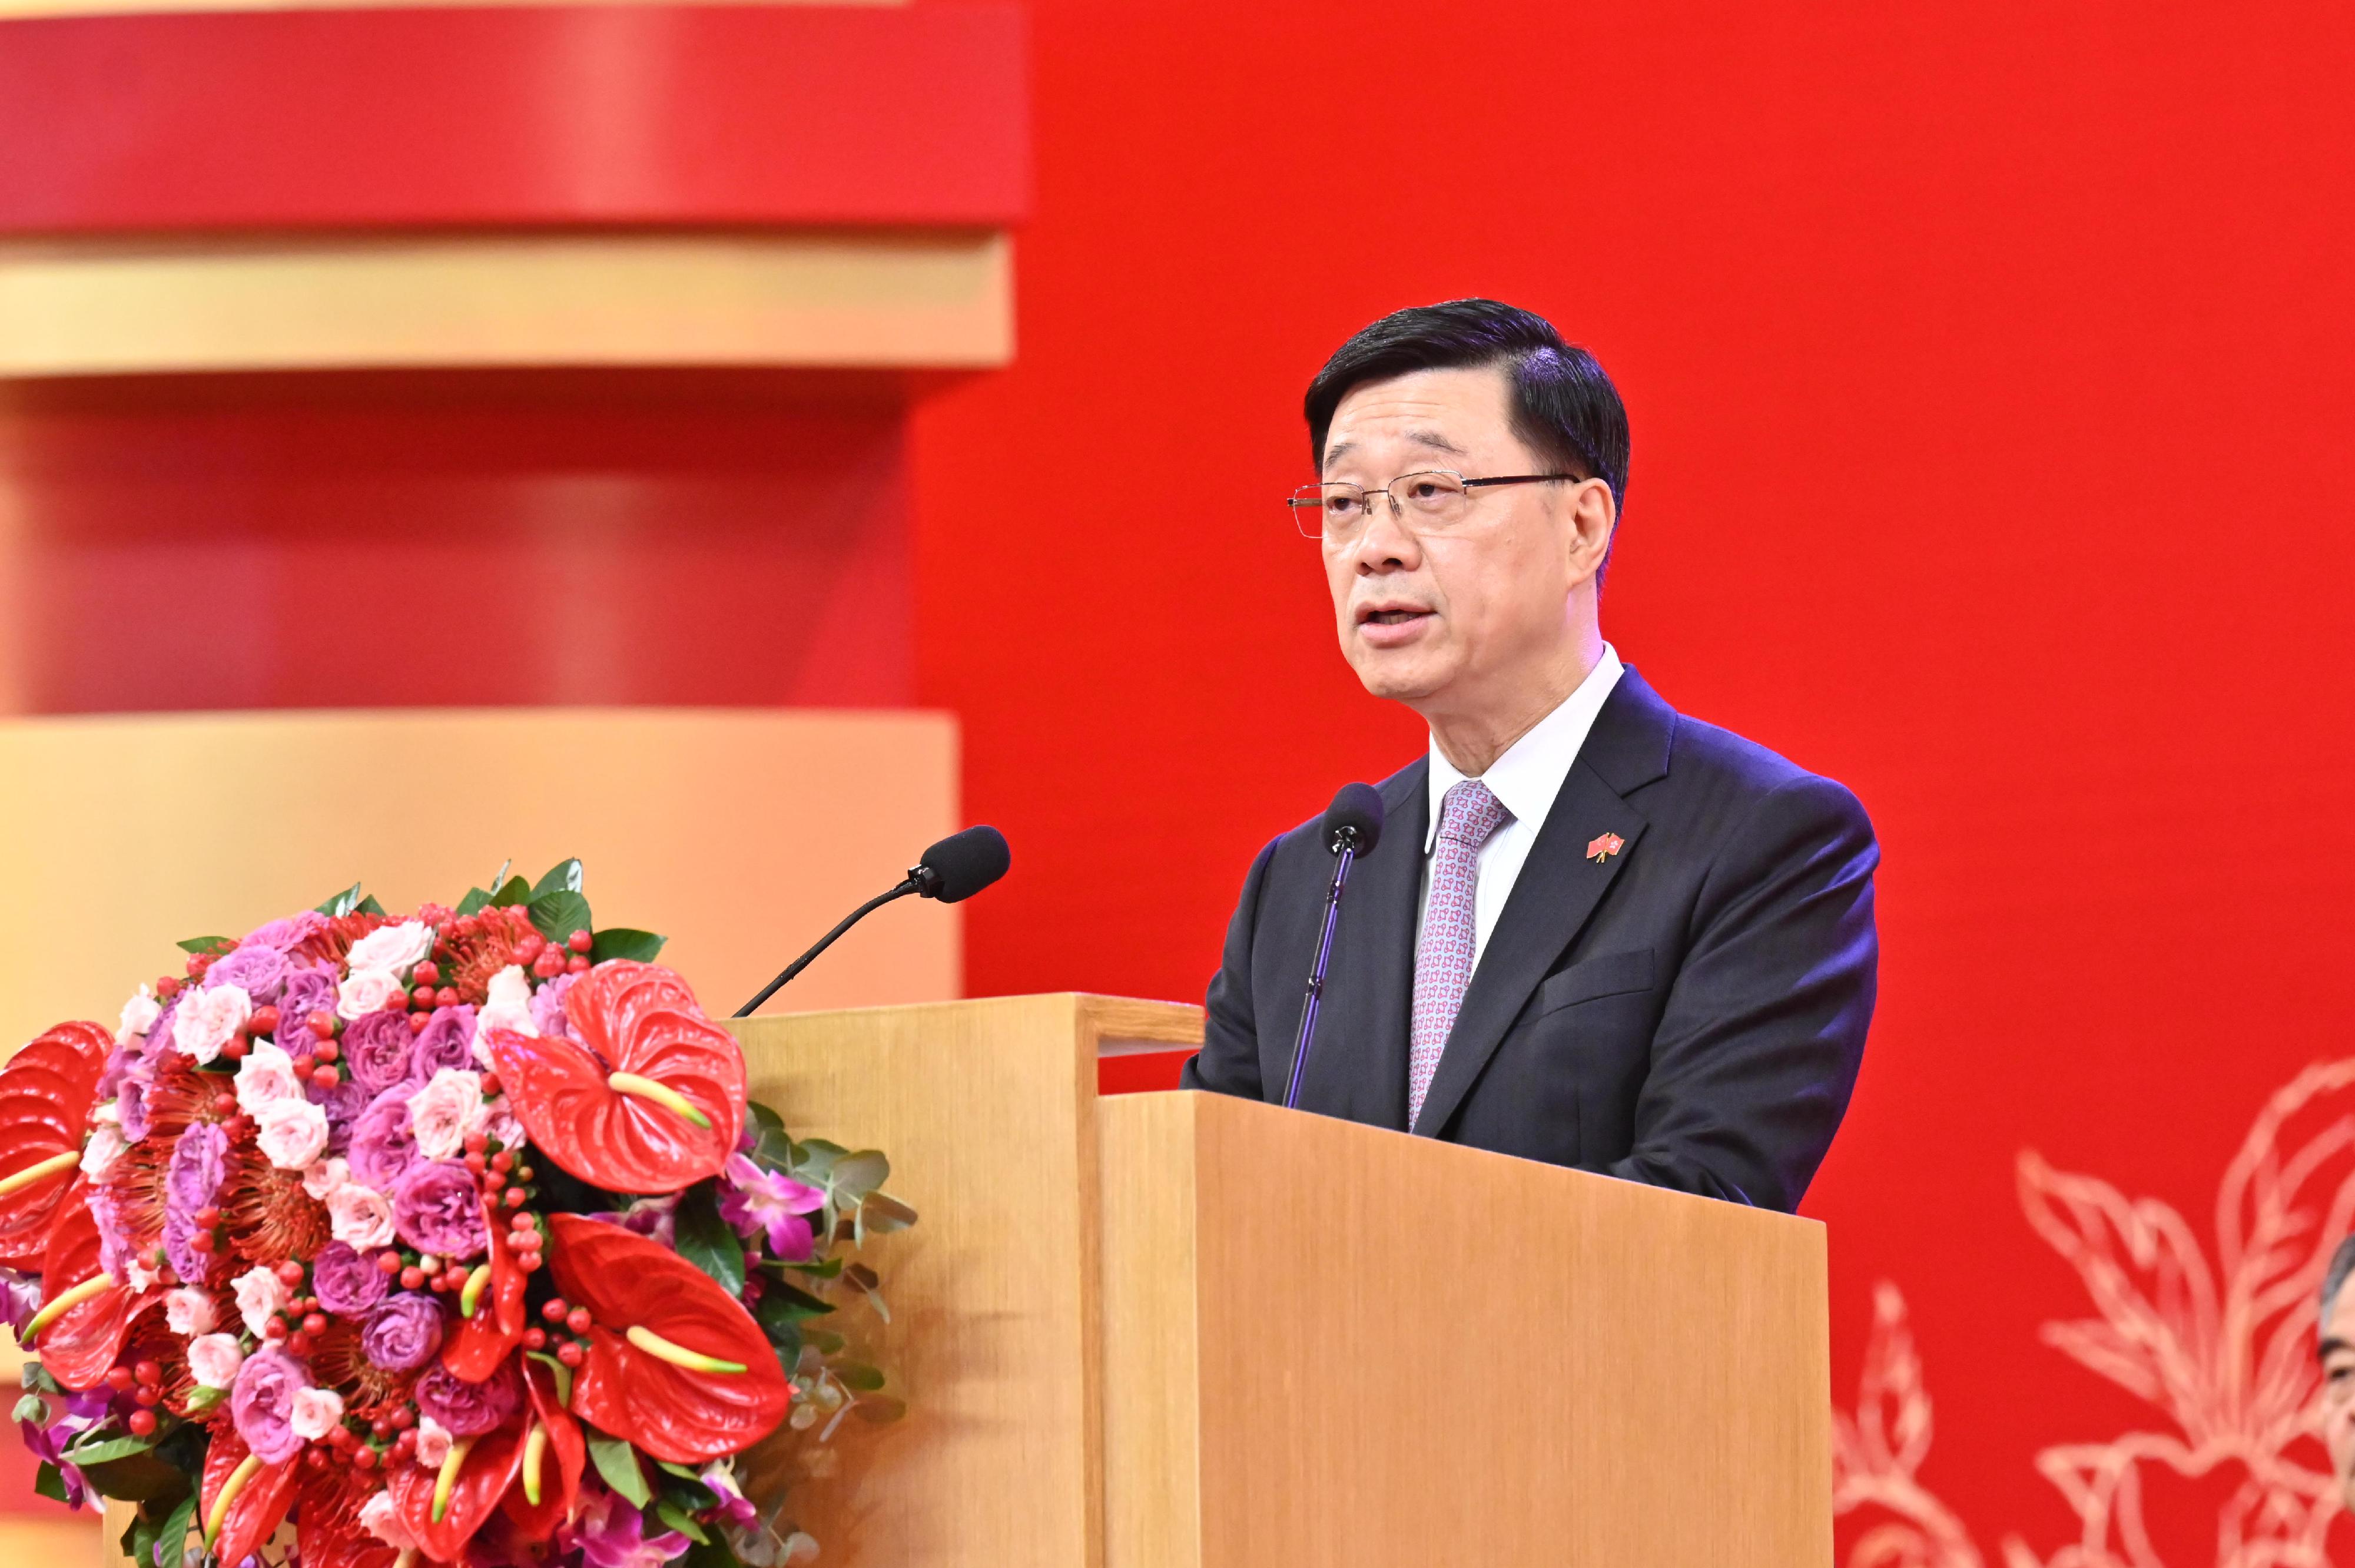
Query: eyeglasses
x=1425, y=501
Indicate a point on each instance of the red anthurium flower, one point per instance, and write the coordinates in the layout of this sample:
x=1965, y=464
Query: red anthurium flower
x=480, y=1470
x=85, y=1312
x=552, y=1462
x=655, y=1100
x=46, y=1092
x=673, y=1363
x=481, y=1341
x=257, y=1496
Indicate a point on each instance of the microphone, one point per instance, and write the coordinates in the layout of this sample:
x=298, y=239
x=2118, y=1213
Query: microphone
x=1352, y=827
x=951, y=871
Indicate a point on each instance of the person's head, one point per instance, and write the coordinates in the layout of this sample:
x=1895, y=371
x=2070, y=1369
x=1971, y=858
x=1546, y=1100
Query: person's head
x=2336, y=1344
x=1483, y=600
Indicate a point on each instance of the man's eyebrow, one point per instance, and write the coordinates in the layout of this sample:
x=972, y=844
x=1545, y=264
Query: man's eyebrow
x=2328, y=1345
x=1430, y=438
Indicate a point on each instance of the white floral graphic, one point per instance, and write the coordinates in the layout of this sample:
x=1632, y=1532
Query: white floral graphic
x=2218, y=1344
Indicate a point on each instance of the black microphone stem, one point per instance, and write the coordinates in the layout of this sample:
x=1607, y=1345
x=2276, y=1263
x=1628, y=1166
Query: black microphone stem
x=1344, y=852
x=801, y=963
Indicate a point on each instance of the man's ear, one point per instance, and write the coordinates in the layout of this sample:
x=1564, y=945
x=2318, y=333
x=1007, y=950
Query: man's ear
x=1593, y=516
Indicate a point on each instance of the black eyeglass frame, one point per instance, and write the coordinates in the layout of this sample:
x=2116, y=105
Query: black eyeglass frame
x=1296, y=501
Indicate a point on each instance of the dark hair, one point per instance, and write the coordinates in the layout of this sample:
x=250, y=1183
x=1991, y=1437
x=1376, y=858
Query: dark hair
x=1565, y=409
x=2334, y=1278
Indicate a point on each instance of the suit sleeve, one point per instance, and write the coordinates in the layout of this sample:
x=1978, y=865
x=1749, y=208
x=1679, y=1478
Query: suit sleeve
x=1228, y=1062
x=1759, y=1045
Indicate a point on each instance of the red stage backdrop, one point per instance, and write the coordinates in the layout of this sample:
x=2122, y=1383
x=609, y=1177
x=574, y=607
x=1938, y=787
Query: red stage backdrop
x=1989, y=367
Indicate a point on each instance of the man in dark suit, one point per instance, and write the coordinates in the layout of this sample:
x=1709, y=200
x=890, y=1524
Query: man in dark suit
x=1593, y=931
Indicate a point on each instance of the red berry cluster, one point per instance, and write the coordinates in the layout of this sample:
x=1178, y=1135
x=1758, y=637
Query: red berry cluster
x=565, y=1319
x=143, y=1383
x=301, y=1322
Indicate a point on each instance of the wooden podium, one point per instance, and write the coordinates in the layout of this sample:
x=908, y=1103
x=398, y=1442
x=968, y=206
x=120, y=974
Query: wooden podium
x=1171, y=1330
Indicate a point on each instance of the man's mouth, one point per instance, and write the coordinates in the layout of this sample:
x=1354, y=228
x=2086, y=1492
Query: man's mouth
x=1389, y=616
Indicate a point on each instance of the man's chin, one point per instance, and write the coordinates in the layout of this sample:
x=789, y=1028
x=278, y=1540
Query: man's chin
x=1395, y=678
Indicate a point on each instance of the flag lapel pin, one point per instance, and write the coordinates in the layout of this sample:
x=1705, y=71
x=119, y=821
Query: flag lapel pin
x=1603, y=846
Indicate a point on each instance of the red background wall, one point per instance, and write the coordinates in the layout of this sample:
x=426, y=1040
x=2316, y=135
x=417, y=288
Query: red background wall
x=1989, y=370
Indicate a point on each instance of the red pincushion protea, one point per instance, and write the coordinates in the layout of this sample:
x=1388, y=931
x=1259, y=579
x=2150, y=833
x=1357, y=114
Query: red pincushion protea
x=675, y=1363
x=652, y=1099
x=46, y=1092
x=474, y=947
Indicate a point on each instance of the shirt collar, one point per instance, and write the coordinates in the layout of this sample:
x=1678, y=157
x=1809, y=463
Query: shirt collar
x=1526, y=779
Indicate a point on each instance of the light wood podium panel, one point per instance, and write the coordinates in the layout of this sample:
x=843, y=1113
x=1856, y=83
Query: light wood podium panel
x=1172, y=1330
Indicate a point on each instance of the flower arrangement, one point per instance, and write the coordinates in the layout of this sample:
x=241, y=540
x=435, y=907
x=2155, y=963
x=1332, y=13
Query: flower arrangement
x=377, y=1242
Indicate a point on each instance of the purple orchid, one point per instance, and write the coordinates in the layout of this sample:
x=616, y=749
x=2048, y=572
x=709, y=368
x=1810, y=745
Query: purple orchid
x=758, y=1201
x=609, y=1533
x=70, y=1415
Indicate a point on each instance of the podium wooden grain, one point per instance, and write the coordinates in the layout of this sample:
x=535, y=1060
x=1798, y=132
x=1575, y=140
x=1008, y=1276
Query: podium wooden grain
x=1180, y=1331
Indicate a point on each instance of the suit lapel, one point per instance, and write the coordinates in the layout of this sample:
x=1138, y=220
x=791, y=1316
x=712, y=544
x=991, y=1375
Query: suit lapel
x=1357, y=1068
x=1559, y=886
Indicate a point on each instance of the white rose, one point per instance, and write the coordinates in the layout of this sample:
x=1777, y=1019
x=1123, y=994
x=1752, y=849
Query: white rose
x=213, y=1359
x=260, y=1297
x=366, y=991
x=509, y=1007
x=189, y=1311
x=358, y=1216
x=265, y=1077
x=442, y=1114
x=293, y=1133
x=382, y=1520
x=315, y=1413
x=141, y=1275
x=391, y=947
x=322, y=1180
x=105, y=1146
x=139, y=1016
x=209, y=1018
x=432, y=1443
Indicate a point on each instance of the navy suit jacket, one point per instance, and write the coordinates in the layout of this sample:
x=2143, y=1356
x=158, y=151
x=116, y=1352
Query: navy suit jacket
x=1688, y=1011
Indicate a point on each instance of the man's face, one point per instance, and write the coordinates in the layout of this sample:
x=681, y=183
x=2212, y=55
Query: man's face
x=1458, y=619
x=2339, y=1390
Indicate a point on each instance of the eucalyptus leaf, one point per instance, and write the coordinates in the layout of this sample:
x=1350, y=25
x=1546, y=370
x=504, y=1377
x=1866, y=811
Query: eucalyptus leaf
x=35, y=1378
x=881, y=1213
x=856, y=1375
x=514, y=891
x=825, y=1342
x=857, y=1175
x=559, y=915
x=879, y=1408
x=564, y=877
x=679, y=1519
x=621, y=942
x=33, y=1408
x=706, y=1240
x=618, y=1463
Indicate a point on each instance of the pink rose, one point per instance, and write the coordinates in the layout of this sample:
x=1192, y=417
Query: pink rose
x=213, y=1359
x=260, y=1297
x=380, y=1518
x=322, y=1180
x=366, y=991
x=442, y=1114
x=189, y=1311
x=432, y=1443
x=315, y=1413
x=358, y=1216
x=267, y=1075
x=391, y=947
x=293, y=1133
x=509, y=1008
x=139, y=1016
x=105, y=1146
x=209, y=1018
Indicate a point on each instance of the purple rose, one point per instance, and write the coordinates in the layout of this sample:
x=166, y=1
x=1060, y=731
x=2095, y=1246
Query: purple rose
x=403, y=1332
x=307, y=991
x=448, y=1041
x=548, y=1014
x=285, y=935
x=377, y=1049
x=198, y=1164
x=347, y=1281
x=131, y=1100
x=180, y=1247
x=382, y=1148
x=261, y=970
x=261, y=1404
x=469, y=1409
x=20, y=1297
x=437, y=1207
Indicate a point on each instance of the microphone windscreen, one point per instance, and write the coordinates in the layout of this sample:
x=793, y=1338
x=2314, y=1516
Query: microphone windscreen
x=1358, y=805
x=963, y=863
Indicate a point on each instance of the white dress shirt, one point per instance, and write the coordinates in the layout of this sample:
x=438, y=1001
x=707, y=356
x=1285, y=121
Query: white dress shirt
x=1525, y=780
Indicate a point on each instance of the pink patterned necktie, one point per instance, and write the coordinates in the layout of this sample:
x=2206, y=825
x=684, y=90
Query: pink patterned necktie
x=1468, y=813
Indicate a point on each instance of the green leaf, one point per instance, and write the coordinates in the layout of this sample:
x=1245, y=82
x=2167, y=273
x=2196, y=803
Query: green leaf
x=825, y=1342
x=474, y=900
x=33, y=1408
x=208, y=945
x=712, y=1554
x=49, y=1481
x=856, y=1375
x=621, y=942
x=105, y=1448
x=683, y=1472
x=857, y=1175
x=514, y=891
x=136, y=1477
x=564, y=877
x=706, y=1240
x=35, y=1378
x=564, y=1376
x=369, y=906
x=559, y=915
x=782, y=1306
x=618, y=1463
x=679, y=1519
x=881, y=1213
x=171, y=1544
x=343, y=903
x=690, y=1494
x=826, y=1269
